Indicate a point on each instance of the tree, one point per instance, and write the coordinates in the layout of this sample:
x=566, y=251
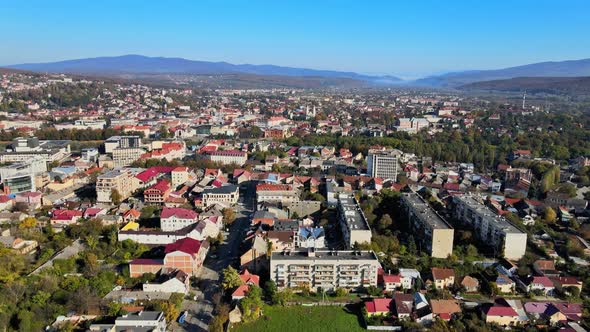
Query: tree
x=549, y=215
x=27, y=223
x=251, y=304
x=229, y=216
x=231, y=278
x=385, y=222
x=116, y=197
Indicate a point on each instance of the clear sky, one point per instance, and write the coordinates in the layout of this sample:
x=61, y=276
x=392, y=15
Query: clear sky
x=408, y=38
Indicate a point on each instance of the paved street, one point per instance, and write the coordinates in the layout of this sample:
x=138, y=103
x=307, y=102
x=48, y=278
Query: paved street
x=200, y=311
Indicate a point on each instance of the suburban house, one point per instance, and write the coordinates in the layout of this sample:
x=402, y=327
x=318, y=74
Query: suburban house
x=390, y=282
x=502, y=315
x=543, y=284
x=443, y=278
x=445, y=309
x=404, y=305
x=248, y=279
x=176, y=281
x=470, y=284
x=378, y=307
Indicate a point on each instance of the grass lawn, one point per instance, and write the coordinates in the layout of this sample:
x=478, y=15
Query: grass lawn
x=300, y=318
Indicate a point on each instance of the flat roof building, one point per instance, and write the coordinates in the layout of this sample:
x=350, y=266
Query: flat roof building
x=323, y=268
x=435, y=232
x=354, y=225
x=495, y=230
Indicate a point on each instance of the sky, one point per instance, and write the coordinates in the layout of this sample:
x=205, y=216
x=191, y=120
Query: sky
x=404, y=38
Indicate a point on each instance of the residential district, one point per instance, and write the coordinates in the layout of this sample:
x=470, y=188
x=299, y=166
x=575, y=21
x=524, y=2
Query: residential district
x=126, y=207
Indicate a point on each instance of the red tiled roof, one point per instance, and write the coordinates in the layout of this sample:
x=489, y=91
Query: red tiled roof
x=241, y=291
x=271, y=187
x=439, y=273
x=179, y=213
x=152, y=172
x=187, y=245
x=501, y=311
x=395, y=278
x=146, y=261
x=378, y=305
x=162, y=186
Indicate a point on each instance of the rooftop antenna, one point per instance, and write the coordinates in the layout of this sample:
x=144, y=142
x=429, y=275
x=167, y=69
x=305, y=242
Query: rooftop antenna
x=524, y=100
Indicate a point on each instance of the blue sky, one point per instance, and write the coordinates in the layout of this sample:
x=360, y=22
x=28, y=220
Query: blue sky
x=406, y=38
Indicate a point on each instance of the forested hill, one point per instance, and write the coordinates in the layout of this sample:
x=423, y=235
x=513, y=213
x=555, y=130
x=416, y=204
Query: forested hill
x=552, y=85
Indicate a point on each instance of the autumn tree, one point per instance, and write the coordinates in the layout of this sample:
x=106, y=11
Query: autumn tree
x=231, y=278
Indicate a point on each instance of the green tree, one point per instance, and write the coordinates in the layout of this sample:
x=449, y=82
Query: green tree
x=549, y=215
x=116, y=197
x=231, y=278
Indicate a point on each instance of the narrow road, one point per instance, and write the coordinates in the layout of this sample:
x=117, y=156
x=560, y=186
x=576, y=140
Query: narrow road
x=200, y=312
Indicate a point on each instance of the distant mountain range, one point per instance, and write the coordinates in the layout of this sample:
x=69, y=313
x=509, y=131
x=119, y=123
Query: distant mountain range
x=533, y=85
x=571, y=68
x=223, y=74
x=140, y=65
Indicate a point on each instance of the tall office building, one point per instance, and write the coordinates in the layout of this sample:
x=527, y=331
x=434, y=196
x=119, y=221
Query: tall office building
x=383, y=163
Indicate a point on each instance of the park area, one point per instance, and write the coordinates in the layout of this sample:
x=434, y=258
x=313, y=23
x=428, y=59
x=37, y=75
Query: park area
x=304, y=318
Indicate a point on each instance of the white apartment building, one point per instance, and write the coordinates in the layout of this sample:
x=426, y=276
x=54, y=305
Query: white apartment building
x=179, y=176
x=326, y=269
x=173, y=219
x=383, y=163
x=121, y=180
x=228, y=157
x=126, y=156
x=494, y=230
x=354, y=225
x=225, y=196
x=276, y=193
x=20, y=177
x=435, y=233
x=23, y=149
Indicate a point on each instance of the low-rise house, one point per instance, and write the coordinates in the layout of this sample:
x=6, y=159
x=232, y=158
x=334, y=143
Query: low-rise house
x=445, y=309
x=404, y=305
x=169, y=282
x=422, y=310
x=378, y=307
x=545, y=268
x=225, y=195
x=141, y=266
x=248, y=279
x=443, y=278
x=173, y=219
x=502, y=315
x=544, y=310
x=567, y=282
x=390, y=282
x=470, y=284
x=310, y=237
x=543, y=284
x=65, y=217
x=152, y=321
x=409, y=277
x=505, y=284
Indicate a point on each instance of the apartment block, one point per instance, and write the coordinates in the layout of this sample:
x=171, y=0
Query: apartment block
x=276, y=193
x=383, y=163
x=435, y=233
x=20, y=177
x=121, y=180
x=325, y=269
x=228, y=157
x=225, y=196
x=354, y=225
x=494, y=230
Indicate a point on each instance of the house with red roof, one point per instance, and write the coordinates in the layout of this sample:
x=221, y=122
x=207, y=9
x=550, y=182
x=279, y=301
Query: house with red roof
x=173, y=219
x=389, y=282
x=158, y=193
x=248, y=279
x=65, y=217
x=567, y=282
x=540, y=283
x=93, y=212
x=131, y=215
x=186, y=254
x=502, y=315
x=378, y=307
x=443, y=278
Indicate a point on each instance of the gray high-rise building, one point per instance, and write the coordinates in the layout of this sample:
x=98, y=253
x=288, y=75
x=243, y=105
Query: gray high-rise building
x=383, y=163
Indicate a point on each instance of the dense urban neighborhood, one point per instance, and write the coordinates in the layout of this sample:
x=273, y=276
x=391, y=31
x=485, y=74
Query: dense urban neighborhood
x=128, y=206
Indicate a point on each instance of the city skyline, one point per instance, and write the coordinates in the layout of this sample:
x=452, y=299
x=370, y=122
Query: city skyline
x=406, y=40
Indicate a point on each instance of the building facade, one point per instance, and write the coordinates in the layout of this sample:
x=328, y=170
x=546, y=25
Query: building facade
x=383, y=163
x=354, y=225
x=324, y=269
x=436, y=234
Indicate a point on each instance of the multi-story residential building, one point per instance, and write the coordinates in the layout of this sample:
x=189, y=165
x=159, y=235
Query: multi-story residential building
x=20, y=177
x=173, y=219
x=354, y=225
x=435, y=233
x=494, y=230
x=126, y=156
x=284, y=194
x=228, y=157
x=383, y=163
x=225, y=196
x=122, y=142
x=121, y=180
x=158, y=193
x=326, y=269
x=186, y=255
x=179, y=176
